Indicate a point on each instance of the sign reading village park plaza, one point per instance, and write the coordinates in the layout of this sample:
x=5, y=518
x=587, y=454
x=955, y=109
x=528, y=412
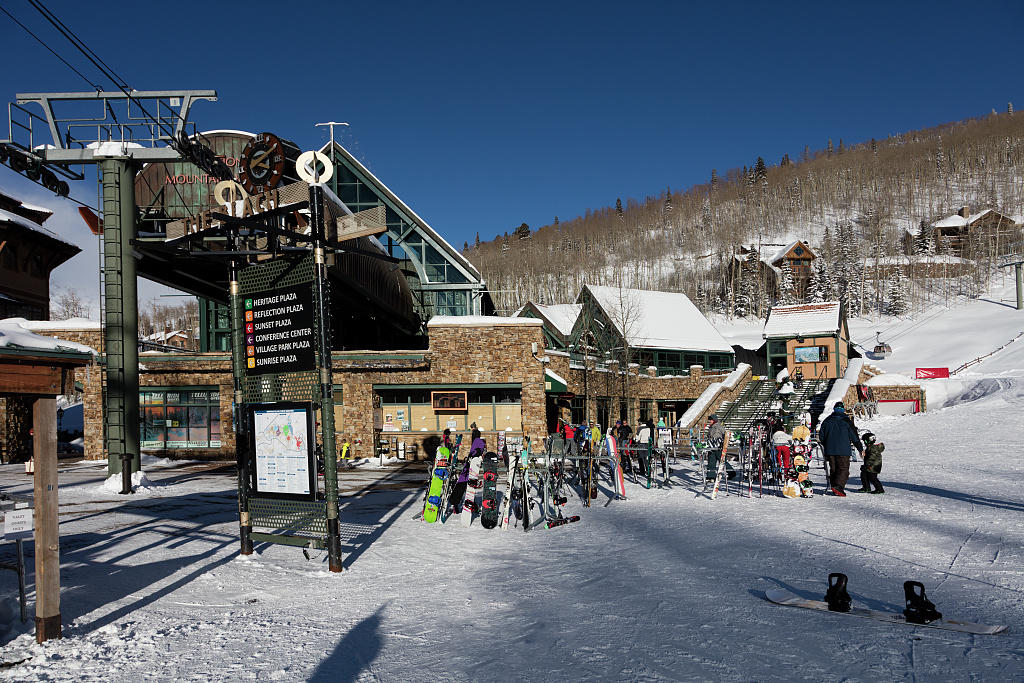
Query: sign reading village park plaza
x=279, y=331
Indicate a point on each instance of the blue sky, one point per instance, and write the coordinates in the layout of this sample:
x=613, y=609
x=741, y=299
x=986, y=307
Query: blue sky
x=485, y=115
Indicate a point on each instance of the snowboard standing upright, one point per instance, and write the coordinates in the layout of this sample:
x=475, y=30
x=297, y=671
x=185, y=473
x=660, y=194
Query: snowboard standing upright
x=453, y=477
x=437, y=484
x=618, y=481
x=469, y=505
x=489, y=499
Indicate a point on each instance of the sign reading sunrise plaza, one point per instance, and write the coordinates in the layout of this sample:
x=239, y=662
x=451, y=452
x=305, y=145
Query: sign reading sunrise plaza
x=279, y=331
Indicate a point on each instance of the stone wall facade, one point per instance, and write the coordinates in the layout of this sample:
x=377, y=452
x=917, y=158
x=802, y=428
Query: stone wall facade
x=643, y=385
x=459, y=353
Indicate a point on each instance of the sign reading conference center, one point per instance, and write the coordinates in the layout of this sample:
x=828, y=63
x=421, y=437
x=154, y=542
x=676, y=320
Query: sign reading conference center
x=279, y=331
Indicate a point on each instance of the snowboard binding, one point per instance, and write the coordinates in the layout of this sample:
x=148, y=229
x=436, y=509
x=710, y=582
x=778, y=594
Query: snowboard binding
x=837, y=598
x=919, y=609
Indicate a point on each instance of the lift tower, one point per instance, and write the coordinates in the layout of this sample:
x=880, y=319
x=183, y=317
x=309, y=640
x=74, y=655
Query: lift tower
x=118, y=132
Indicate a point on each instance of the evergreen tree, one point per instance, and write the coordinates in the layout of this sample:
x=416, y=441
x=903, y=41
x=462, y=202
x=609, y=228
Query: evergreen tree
x=1009, y=108
x=828, y=149
x=785, y=160
x=761, y=173
x=812, y=295
x=465, y=247
x=896, y=294
x=706, y=224
x=714, y=180
x=668, y=200
x=841, y=148
x=787, y=288
x=556, y=221
x=618, y=208
x=823, y=288
x=874, y=147
x=522, y=232
x=806, y=156
x=924, y=241
x=476, y=243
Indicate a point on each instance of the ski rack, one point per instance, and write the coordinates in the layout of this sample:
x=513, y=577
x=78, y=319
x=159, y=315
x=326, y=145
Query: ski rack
x=579, y=457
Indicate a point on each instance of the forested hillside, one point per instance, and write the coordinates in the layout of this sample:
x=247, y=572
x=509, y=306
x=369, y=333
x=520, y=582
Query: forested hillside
x=852, y=203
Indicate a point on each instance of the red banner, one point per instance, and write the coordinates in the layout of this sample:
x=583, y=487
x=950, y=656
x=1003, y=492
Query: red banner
x=931, y=373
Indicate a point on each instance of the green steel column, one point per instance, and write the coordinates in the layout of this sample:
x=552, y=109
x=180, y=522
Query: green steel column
x=1020, y=293
x=120, y=300
x=322, y=303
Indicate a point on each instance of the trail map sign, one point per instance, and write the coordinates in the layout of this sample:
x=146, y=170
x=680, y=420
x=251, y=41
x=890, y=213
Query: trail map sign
x=279, y=334
x=283, y=446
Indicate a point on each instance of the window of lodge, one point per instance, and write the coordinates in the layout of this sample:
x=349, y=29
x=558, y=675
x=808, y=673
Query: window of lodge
x=176, y=417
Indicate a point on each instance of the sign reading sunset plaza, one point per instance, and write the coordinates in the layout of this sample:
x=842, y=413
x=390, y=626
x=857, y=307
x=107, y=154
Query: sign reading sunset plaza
x=279, y=331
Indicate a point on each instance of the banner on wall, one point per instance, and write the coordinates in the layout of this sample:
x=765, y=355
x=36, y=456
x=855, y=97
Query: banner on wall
x=931, y=373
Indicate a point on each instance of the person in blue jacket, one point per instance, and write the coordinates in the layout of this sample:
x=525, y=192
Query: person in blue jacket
x=836, y=435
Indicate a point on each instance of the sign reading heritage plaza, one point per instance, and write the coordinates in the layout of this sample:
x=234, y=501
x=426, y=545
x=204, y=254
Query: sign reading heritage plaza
x=279, y=331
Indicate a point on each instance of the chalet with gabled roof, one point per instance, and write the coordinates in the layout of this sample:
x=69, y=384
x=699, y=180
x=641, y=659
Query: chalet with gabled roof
x=958, y=233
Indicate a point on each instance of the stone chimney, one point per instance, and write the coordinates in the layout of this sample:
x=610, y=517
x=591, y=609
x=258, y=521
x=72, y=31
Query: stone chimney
x=964, y=211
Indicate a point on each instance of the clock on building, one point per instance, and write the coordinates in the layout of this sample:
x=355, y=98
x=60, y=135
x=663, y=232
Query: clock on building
x=264, y=161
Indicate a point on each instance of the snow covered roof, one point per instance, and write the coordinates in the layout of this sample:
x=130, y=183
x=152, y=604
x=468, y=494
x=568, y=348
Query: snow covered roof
x=935, y=259
x=15, y=336
x=69, y=324
x=8, y=217
x=802, y=320
x=777, y=256
x=958, y=221
x=164, y=336
x=761, y=257
x=888, y=379
x=561, y=316
x=658, y=320
x=481, y=321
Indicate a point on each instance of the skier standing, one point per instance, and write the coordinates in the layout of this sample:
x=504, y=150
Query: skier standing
x=595, y=434
x=716, y=437
x=836, y=436
x=872, y=465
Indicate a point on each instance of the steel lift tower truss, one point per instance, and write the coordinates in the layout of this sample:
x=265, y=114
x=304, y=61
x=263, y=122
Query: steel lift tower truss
x=118, y=132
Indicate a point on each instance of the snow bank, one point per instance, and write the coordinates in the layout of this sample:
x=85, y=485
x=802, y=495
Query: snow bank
x=711, y=393
x=890, y=379
x=140, y=484
x=370, y=463
x=841, y=386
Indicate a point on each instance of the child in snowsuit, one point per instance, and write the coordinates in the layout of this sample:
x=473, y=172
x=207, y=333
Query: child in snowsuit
x=872, y=465
x=780, y=439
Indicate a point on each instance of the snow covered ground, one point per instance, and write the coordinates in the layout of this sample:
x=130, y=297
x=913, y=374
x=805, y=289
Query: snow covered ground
x=667, y=585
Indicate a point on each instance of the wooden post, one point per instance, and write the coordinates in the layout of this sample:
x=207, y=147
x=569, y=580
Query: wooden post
x=47, y=550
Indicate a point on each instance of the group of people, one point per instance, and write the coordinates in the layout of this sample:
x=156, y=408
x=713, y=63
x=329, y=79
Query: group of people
x=837, y=435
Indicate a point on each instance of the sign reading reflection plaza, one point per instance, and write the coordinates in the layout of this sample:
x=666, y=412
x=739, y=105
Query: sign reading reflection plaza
x=279, y=331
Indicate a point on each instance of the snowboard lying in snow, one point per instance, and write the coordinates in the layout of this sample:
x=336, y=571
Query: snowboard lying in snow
x=783, y=597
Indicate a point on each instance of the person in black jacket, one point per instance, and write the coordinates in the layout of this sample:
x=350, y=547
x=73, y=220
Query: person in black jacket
x=836, y=436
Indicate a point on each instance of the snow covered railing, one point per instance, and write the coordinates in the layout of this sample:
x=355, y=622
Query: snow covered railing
x=841, y=386
x=981, y=358
x=712, y=396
